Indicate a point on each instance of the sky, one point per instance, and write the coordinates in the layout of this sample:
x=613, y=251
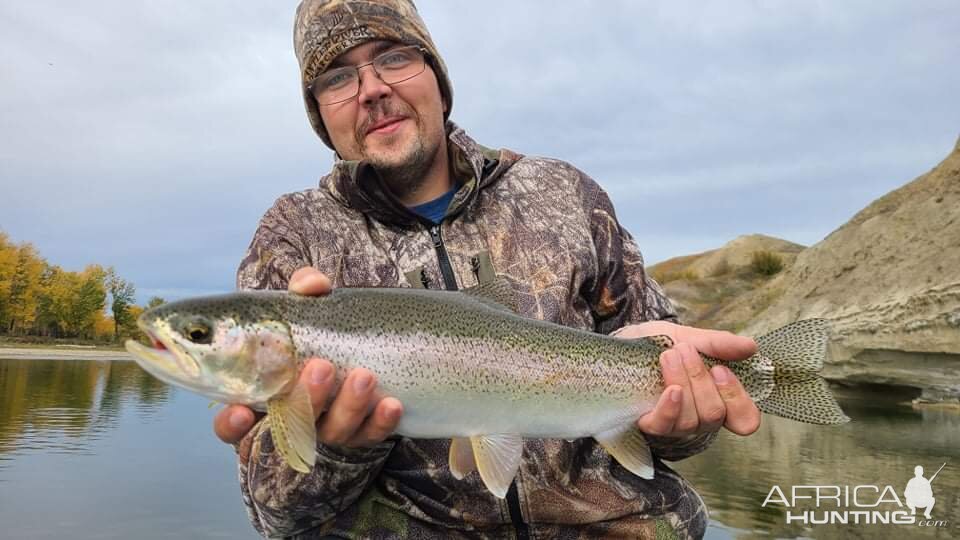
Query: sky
x=151, y=136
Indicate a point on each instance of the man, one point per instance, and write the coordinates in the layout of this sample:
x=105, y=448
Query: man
x=413, y=201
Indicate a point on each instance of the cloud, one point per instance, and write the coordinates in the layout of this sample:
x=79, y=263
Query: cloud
x=152, y=136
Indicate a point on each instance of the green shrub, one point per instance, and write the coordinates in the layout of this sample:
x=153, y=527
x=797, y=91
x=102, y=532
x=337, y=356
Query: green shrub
x=766, y=263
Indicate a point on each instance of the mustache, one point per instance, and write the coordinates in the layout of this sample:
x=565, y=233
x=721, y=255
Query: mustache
x=380, y=111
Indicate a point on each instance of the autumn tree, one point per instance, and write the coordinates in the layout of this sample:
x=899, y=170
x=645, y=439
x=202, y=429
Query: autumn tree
x=123, y=294
x=8, y=265
x=24, y=289
x=90, y=297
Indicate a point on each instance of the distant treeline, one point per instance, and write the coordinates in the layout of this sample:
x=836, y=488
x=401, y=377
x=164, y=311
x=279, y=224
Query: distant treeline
x=44, y=300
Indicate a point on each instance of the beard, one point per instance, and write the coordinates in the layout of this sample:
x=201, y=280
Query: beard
x=403, y=168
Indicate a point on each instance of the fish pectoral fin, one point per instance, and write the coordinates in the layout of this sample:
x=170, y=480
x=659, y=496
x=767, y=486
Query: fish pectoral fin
x=293, y=430
x=497, y=458
x=461, y=458
x=629, y=448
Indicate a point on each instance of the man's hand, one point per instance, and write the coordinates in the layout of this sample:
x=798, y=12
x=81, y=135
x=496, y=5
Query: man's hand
x=697, y=399
x=349, y=420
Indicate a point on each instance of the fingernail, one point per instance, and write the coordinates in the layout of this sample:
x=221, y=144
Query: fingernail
x=238, y=420
x=721, y=375
x=392, y=413
x=676, y=395
x=321, y=373
x=361, y=382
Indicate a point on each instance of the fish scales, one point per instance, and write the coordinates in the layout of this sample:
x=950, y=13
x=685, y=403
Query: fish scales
x=435, y=350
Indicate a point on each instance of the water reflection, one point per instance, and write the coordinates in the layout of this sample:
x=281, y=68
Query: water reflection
x=121, y=455
x=57, y=406
x=880, y=446
x=102, y=450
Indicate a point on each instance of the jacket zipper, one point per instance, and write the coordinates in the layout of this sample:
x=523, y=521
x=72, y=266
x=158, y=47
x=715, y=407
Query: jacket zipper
x=513, y=503
x=446, y=269
x=450, y=282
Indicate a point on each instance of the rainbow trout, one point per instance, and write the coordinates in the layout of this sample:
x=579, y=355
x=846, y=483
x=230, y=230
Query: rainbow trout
x=464, y=365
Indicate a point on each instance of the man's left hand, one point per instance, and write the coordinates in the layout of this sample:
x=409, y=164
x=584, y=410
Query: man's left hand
x=696, y=399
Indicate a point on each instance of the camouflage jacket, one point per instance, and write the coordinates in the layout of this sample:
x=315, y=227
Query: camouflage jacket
x=551, y=231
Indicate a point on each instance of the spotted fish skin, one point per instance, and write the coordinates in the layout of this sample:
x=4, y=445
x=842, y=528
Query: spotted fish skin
x=464, y=365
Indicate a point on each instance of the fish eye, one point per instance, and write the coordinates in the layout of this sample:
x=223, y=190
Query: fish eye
x=198, y=332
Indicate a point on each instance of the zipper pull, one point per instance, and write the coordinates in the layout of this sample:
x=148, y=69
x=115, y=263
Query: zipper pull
x=435, y=236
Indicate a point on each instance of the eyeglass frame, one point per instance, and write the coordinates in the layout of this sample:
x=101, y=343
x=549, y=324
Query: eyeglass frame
x=422, y=50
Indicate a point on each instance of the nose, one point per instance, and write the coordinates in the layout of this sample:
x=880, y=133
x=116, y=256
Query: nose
x=372, y=87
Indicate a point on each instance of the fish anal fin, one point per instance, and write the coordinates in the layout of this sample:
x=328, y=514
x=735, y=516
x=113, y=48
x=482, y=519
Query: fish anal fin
x=629, y=448
x=293, y=430
x=461, y=458
x=497, y=458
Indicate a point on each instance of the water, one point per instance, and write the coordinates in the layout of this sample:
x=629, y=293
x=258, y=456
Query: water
x=881, y=445
x=102, y=450
x=94, y=449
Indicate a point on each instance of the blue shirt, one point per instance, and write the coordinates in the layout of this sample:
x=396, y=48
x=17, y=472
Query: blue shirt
x=435, y=210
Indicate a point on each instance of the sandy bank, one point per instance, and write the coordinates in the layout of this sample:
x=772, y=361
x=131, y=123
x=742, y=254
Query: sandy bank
x=61, y=353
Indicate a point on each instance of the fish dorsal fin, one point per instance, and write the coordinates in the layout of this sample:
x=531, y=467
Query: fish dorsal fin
x=497, y=294
x=629, y=448
x=461, y=458
x=661, y=340
x=497, y=458
x=293, y=430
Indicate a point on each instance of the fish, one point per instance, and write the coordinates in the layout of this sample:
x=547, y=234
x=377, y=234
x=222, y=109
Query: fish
x=464, y=364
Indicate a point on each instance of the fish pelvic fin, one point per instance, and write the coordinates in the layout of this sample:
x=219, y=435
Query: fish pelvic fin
x=293, y=430
x=497, y=458
x=629, y=447
x=797, y=351
x=461, y=458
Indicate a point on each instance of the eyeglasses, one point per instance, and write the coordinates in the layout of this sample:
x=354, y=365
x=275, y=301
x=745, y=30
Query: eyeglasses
x=342, y=84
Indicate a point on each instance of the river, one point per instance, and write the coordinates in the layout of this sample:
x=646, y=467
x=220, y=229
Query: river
x=99, y=449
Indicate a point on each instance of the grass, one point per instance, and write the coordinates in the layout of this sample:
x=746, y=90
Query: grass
x=766, y=263
x=667, y=277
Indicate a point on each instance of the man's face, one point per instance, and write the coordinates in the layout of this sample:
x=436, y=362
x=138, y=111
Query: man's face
x=392, y=127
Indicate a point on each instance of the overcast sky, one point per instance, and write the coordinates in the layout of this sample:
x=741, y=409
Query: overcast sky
x=152, y=136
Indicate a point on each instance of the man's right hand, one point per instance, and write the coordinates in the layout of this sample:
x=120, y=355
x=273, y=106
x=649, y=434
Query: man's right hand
x=348, y=420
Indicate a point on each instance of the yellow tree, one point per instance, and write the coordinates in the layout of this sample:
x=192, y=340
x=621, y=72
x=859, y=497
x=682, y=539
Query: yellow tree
x=8, y=266
x=59, y=292
x=25, y=289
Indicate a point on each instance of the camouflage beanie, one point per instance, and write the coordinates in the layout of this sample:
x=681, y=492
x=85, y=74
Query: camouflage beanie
x=324, y=29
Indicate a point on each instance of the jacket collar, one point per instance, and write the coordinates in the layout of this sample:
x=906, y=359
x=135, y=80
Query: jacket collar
x=358, y=185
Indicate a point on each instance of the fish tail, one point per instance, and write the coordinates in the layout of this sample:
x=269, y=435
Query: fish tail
x=797, y=352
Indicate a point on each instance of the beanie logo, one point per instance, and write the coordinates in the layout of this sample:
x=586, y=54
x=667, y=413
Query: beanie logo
x=341, y=41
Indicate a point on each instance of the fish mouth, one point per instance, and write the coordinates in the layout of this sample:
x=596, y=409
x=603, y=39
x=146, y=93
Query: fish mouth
x=163, y=361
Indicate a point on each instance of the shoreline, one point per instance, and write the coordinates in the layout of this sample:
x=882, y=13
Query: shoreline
x=62, y=353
